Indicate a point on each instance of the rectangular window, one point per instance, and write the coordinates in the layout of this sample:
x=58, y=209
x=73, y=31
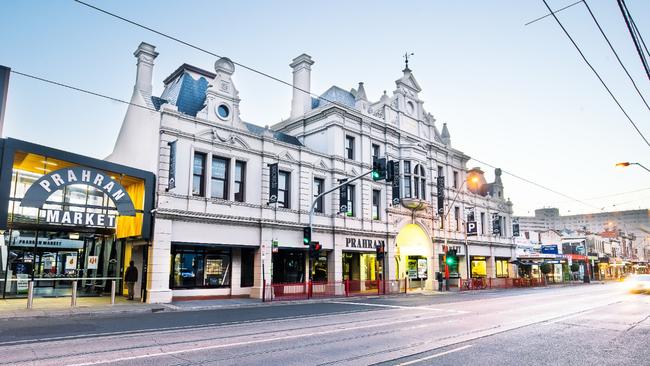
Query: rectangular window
x=457, y=216
x=351, y=211
x=247, y=266
x=198, y=174
x=375, y=150
x=407, y=179
x=349, y=147
x=456, y=179
x=440, y=171
x=219, y=183
x=502, y=267
x=240, y=181
x=319, y=184
x=284, y=187
x=376, y=204
x=197, y=267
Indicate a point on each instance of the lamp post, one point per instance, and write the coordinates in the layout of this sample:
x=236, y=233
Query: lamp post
x=626, y=164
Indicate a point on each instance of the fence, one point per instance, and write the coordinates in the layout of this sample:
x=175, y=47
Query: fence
x=26, y=286
x=347, y=288
x=502, y=283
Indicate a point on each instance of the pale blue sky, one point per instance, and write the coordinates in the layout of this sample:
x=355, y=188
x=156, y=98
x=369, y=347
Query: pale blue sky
x=515, y=96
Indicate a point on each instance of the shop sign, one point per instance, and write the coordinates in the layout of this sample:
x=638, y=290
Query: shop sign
x=422, y=268
x=396, y=182
x=472, y=229
x=79, y=218
x=363, y=243
x=46, y=185
x=457, y=248
x=549, y=249
x=274, y=246
x=21, y=283
x=26, y=241
x=343, y=196
x=440, y=186
x=92, y=261
x=71, y=262
x=273, y=184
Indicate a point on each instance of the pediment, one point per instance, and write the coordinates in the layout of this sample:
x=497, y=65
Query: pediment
x=409, y=82
x=321, y=165
x=287, y=156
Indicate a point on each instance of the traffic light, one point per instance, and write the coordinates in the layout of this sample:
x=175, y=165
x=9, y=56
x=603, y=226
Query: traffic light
x=314, y=249
x=451, y=257
x=380, y=251
x=378, y=168
x=306, y=235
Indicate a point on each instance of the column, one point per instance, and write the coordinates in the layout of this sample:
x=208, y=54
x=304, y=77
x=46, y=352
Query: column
x=158, y=290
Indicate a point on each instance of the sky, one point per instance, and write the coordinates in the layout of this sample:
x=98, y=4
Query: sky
x=515, y=96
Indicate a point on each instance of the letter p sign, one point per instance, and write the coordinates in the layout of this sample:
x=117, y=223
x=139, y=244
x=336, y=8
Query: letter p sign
x=471, y=228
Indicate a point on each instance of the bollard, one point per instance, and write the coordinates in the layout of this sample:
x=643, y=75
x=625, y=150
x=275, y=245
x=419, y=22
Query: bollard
x=30, y=294
x=73, y=301
x=113, y=292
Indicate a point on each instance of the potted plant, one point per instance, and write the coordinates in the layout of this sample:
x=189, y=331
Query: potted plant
x=546, y=268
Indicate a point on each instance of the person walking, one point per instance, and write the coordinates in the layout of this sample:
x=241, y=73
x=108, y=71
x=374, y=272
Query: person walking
x=131, y=277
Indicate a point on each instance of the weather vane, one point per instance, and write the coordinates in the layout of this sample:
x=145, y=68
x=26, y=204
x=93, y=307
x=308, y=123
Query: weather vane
x=406, y=58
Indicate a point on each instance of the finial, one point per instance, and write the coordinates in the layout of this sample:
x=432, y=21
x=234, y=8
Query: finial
x=406, y=59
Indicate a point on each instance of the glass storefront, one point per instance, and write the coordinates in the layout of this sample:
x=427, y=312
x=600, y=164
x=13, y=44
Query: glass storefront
x=360, y=266
x=199, y=267
x=502, y=267
x=478, y=266
x=62, y=222
x=289, y=266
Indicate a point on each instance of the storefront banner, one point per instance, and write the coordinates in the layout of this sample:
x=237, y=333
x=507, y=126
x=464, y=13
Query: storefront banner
x=171, y=181
x=343, y=197
x=27, y=241
x=46, y=185
x=273, y=183
x=92, y=262
x=440, y=186
x=396, y=182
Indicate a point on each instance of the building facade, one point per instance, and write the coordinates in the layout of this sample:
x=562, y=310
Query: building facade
x=216, y=232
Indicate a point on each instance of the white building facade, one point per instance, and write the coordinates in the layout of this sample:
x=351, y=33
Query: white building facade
x=214, y=231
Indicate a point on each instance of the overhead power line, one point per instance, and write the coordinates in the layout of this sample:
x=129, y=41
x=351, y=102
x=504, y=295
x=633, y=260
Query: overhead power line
x=557, y=11
x=615, y=54
x=628, y=20
x=584, y=58
x=176, y=39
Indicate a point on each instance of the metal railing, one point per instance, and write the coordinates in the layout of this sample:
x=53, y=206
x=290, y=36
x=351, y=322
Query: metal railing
x=74, y=286
x=348, y=288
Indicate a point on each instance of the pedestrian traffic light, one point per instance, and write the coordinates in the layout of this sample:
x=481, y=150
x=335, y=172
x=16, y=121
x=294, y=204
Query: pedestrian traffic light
x=306, y=235
x=451, y=260
x=378, y=168
x=380, y=251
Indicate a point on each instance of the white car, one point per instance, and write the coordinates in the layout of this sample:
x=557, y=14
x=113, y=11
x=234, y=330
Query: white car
x=639, y=283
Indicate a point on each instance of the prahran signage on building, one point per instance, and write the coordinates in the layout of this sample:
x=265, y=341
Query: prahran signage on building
x=362, y=243
x=38, y=193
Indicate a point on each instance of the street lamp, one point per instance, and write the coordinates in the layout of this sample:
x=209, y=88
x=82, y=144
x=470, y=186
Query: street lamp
x=627, y=163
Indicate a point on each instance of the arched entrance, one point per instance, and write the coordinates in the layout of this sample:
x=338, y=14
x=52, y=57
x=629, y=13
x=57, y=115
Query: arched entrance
x=413, y=255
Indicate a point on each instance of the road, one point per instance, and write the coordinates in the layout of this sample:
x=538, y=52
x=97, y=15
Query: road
x=591, y=324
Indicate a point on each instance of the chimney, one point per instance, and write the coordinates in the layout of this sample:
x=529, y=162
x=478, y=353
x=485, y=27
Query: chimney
x=301, y=100
x=4, y=89
x=145, y=54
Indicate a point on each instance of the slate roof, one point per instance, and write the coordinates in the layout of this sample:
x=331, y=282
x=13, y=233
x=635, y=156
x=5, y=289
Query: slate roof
x=334, y=94
x=280, y=136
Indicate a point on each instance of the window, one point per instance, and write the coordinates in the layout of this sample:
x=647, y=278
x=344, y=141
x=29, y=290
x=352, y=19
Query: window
x=419, y=182
x=349, y=147
x=457, y=216
x=198, y=175
x=247, y=267
x=240, y=180
x=350, y=200
x=456, y=179
x=407, y=179
x=318, y=189
x=440, y=171
x=376, y=204
x=195, y=267
x=375, y=150
x=502, y=267
x=284, y=185
x=219, y=181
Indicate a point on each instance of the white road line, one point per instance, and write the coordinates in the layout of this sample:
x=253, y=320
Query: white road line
x=436, y=355
x=245, y=343
x=399, y=306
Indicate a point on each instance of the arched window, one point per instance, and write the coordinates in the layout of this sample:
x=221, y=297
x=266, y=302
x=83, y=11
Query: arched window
x=419, y=182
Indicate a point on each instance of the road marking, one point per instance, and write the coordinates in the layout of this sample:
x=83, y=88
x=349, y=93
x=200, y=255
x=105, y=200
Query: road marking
x=399, y=306
x=255, y=341
x=436, y=355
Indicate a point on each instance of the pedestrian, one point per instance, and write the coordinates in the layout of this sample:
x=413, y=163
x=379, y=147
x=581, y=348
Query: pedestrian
x=131, y=277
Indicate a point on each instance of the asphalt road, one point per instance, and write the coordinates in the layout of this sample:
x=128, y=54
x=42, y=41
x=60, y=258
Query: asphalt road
x=592, y=324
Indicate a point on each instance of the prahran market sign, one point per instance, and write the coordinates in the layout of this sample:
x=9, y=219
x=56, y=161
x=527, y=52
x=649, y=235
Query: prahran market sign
x=362, y=243
x=38, y=193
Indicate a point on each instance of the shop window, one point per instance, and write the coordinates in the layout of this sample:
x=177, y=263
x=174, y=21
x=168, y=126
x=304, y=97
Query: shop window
x=240, y=181
x=284, y=186
x=375, y=151
x=289, y=266
x=319, y=184
x=407, y=179
x=198, y=267
x=349, y=147
x=219, y=181
x=478, y=267
x=198, y=174
x=501, y=267
x=320, y=268
x=247, y=267
x=351, y=201
x=376, y=204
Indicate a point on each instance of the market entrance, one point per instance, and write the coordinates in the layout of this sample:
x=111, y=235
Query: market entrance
x=412, y=257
